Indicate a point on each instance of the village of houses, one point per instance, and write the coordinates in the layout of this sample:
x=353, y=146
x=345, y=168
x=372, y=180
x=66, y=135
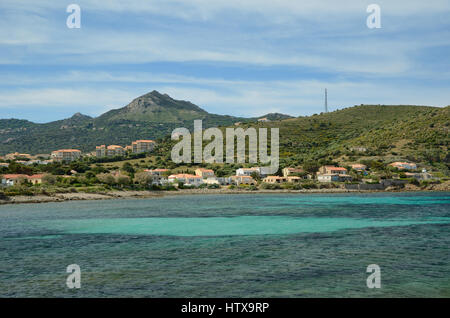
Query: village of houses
x=252, y=176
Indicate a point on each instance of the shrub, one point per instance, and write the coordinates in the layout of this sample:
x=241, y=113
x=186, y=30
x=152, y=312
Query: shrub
x=309, y=186
x=169, y=187
x=270, y=186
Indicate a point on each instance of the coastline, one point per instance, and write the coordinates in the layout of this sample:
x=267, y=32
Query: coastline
x=82, y=196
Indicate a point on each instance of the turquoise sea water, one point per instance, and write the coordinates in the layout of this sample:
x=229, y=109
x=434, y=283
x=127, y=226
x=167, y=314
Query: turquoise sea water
x=249, y=245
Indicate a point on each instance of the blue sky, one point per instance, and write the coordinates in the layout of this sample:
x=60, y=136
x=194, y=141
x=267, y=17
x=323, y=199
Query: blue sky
x=243, y=58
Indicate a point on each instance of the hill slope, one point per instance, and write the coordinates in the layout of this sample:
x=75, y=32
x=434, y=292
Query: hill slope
x=416, y=133
x=155, y=107
x=149, y=116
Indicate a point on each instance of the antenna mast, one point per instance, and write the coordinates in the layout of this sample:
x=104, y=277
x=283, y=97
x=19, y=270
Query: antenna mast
x=326, y=101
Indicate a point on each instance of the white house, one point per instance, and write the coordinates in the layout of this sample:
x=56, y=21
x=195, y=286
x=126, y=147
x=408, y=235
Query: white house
x=333, y=177
x=225, y=180
x=11, y=179
x=211, y=181
x=246, y=171
x=328, y=177
x=404, y=165
x=157, y=172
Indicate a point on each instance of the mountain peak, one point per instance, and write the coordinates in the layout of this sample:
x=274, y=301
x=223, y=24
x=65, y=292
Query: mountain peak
x=80, y=115
x=153, y=93
x=275, y=116
x=156, y=107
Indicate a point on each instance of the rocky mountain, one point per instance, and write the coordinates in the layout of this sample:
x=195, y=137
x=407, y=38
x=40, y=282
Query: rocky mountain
x=155, y=107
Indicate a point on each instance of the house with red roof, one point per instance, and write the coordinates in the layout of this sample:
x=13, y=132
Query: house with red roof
x=332, y=170
x=186, y=179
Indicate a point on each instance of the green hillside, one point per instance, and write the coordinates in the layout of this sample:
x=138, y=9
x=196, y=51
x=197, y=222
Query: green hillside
x=388, y=133
x=375, y=135
x=150, y=116
x=367, y=132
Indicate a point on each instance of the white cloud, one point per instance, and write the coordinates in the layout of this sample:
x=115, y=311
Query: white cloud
x=340, y=47
x=91, y=101
x=239, y=98
x=325, y=36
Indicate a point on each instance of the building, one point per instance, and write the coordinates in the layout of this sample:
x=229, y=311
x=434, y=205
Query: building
x=293, y=179
x=158, y=176
x=225, y=180
x=110, y=151
x=66, y=155
x=359, y=167
x=333, y=177
x=332, y=170
x=246, y=171
x=12, y=179
x=274, y=179
x=114, y=150
x=212, y=180
x=36, y=161
x=264, y=120
x=358, y=149
x=4, y=164
x=277, y=179
x=186, y=179
x=263, y=171
x=292, y=171
x=35, y=178
x=328, y=177
x=204, y=173
x=404, y=165
x=140, y=146
x=238, y=180
x=157, y=172
x=419, y=176
x=100, y=151
x=15, y=155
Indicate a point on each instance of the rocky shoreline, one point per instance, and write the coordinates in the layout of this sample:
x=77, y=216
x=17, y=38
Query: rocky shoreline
x=61, y=197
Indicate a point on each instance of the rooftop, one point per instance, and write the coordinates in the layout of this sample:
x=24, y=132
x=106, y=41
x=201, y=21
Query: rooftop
x=183, y=175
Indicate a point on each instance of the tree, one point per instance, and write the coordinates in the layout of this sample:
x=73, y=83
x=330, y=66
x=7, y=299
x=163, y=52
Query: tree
x=143, y=178
x=123, y=180
x=311, y=166
x=255, y=176
x=106, y=178
x=49, y=179
x=127, y=167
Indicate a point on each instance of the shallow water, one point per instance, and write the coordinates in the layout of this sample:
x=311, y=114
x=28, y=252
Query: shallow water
x=255, y=245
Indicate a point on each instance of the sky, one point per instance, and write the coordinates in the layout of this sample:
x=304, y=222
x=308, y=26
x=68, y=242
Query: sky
x=235, y=57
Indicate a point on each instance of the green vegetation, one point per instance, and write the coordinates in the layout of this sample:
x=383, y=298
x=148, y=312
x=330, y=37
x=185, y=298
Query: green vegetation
x=371, y=135
x=152, y=115
x=389, y=133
